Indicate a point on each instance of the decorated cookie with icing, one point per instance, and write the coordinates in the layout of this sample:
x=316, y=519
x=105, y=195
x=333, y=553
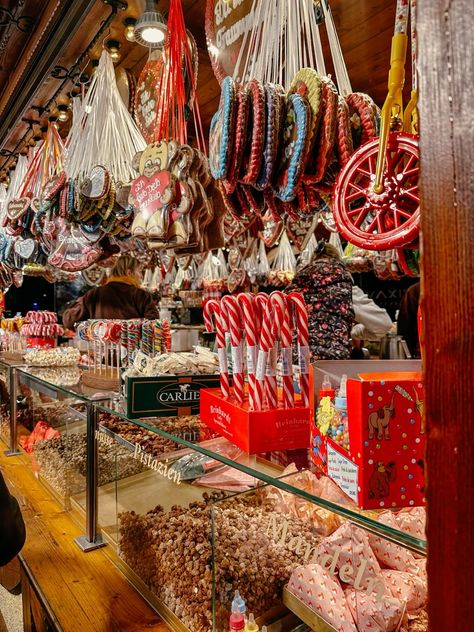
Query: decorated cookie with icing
x=307, y=83
x=295, y=143
x=275, y=112
x=221, y=132
x=240, y=138
x=272, y=223
x=363, y=117
x=252, y=157
x=324, y=144
x=344, y=144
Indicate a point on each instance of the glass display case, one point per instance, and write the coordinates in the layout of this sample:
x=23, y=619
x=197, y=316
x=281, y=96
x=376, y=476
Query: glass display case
x=192, y=518
x=5, y=401
x=295, y=562
x=199, y=519
x=53, y=425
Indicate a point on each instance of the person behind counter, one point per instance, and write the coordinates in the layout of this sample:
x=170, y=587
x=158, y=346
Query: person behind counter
x=407, y=321
x=121, y=297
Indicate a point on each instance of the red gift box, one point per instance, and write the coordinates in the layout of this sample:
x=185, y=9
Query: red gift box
x=255, y=431
x=384, y=465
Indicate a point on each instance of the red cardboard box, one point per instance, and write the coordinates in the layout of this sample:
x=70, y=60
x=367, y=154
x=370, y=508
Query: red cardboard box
x=255, y=431
x=385, y=462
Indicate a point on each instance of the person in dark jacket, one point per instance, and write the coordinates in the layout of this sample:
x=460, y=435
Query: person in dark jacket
x=121, y=297
x=407, y=321
x=326, y=285
x=12, y=526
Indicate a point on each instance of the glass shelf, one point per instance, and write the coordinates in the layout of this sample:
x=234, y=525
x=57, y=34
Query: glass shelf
x=42, y=379
x=268, y=468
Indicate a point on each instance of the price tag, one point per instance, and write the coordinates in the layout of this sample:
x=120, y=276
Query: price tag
x=237, y=360
x=252, y=352
x=304, y=360
x=261, y=365
x=272, y=362
x=286, y=360
x=222, y=355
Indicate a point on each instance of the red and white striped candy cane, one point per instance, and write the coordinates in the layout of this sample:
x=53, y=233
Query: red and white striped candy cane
x=212, y=314
x=283, y=331
x=230, y=308
x=266, y=373
x=246, y=302
x=297, y=299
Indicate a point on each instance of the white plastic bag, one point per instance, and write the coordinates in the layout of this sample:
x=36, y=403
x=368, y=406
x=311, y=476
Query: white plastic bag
x=284, y=265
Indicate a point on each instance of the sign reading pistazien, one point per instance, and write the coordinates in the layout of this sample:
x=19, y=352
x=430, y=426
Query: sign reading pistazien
x=139, y=454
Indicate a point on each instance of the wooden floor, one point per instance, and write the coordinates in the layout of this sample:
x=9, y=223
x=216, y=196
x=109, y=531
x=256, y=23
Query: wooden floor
x=84, y=591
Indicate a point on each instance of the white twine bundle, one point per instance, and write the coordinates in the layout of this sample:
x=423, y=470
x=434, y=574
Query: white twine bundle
x=17, y=180
x=285, y=38
x=105, y=133
x=3, y=197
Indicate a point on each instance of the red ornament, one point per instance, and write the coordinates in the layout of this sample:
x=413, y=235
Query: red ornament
x=380, y=220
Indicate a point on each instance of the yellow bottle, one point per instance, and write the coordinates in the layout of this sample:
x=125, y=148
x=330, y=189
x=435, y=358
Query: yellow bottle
x=251, y=626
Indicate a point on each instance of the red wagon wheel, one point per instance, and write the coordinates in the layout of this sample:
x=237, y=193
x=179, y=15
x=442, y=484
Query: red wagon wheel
x=385, y=220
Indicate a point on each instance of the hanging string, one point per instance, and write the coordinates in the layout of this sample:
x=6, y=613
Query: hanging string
x=342, y=76
x=106, y=134
x=414, y=46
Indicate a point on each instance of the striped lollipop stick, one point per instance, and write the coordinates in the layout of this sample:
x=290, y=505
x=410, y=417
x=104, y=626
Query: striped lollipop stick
x=283, y=330
x=246, y=302
x=212, y=314
x=260, y=307
x=266, y=371
x=232, y=312
x=301, y=310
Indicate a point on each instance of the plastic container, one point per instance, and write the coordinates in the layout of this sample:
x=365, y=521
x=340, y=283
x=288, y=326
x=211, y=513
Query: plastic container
x=236, y=621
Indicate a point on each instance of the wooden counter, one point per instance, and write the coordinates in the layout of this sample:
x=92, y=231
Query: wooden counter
x=65, y=589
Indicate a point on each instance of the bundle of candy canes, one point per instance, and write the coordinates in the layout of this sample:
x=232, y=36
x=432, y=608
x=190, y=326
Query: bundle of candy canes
x=124, y=338
x=267, y=323
x=42, y=324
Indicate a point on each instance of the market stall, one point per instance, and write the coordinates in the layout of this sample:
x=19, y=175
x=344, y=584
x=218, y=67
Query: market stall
x=226, y=418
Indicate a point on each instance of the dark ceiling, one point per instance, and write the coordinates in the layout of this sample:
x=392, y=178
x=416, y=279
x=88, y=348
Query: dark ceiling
x=45, y=49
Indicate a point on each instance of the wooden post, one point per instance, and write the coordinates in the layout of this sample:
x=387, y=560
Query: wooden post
x=446, y=74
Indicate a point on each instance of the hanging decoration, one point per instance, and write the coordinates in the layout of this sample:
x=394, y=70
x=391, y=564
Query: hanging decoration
x=176, y=203
x=376, y=198
x=283, y=128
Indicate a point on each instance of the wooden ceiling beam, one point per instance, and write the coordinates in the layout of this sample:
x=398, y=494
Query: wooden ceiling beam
x=63, y=24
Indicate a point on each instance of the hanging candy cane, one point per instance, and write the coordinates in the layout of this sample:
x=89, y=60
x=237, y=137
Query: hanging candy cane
x=212, y=314
x=232, y=313
x=246, y=301
x=297, y=300
x=282, y=324
x=266, y=373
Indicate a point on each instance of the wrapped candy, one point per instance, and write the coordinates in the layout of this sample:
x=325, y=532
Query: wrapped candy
x=407, y=587
x=371, y=613
x=352, y=557
x=315, y=587
x=392, y=555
